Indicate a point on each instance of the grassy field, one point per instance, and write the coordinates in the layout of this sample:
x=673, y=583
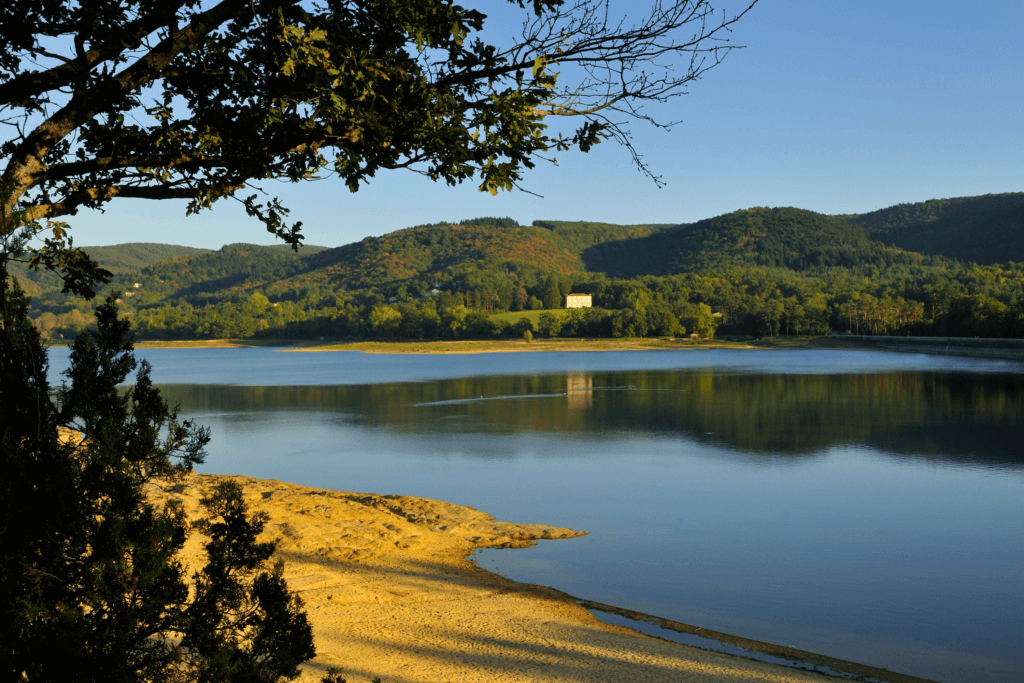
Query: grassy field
x=224, y=343
x=513, y=316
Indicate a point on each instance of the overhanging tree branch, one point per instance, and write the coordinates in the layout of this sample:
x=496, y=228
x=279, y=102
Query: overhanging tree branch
x=170, y=100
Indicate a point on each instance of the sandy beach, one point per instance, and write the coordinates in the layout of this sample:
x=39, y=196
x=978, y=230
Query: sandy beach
x=390, y=593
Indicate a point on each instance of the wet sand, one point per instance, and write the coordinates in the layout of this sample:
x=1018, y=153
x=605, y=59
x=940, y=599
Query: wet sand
x=390, y=594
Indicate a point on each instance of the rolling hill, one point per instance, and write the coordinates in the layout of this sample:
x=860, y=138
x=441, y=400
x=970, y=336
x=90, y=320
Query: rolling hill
x=740, y=262
x=119, y=259
x=789, y=238
x=441, y=254
x=131, y=257
x=987, y=229
x=232, y=268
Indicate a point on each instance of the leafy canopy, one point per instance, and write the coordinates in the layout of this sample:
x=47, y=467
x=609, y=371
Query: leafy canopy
x=162, y=99
x=91, y=586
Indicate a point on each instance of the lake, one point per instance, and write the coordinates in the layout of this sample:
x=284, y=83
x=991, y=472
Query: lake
x=863, y=505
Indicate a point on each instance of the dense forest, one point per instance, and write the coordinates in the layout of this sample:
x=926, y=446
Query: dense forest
x=757, y=272
x=984, y=229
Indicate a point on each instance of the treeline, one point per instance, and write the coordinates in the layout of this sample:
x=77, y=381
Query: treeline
x=975, y=301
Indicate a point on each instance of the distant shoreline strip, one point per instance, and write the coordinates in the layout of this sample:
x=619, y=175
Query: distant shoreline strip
x=972, y=347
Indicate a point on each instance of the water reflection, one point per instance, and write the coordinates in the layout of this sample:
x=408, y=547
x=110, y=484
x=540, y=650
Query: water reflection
x=959, y=418
x=865, y=514
x=578, y=391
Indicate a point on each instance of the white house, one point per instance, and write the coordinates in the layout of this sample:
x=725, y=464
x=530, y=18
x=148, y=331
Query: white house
x=578, y=301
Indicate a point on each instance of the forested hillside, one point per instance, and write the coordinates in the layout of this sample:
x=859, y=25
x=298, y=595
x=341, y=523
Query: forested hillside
x=788, y=238
x=126, y=258
x=418, y=257
x=987, y=229
x=464, y=256
x=118, y=259
x=758, y=271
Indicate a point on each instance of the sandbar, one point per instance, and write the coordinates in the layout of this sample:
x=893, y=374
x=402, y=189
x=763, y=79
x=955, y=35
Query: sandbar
x=390, y=593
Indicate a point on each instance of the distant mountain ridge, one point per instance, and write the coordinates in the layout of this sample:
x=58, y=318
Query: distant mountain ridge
x=119, y=259
x=794, y=239
x=489, y=264
x=985, y=229
x=133, y=256
x=443, y=252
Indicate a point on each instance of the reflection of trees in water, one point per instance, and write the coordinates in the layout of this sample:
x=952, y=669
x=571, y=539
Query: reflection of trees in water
x=927, y=414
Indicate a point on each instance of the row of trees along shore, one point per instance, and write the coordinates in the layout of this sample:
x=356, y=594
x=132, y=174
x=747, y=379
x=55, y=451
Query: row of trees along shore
x=957, y=300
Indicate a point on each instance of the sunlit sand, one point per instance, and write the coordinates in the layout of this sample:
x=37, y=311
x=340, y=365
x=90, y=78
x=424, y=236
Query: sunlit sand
x=390, y=594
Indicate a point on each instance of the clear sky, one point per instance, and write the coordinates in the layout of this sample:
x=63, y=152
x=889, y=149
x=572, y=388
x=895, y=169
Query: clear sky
x=833, y=106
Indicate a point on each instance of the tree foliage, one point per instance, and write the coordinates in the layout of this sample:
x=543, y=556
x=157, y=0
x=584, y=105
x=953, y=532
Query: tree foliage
x=162, y=99
x=91, y=587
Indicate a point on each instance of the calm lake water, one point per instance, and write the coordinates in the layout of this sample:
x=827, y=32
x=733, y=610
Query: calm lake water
x=863, y=505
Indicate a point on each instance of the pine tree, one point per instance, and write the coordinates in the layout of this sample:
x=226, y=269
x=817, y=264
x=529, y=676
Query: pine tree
x=552, y=293
x=90, y=587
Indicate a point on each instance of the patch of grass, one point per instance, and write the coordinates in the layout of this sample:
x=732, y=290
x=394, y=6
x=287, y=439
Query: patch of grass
x=513, y=316
x=421, y=346
x=222, y=343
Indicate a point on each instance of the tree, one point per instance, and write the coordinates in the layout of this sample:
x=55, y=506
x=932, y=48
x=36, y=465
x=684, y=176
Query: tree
x=573, y=323
x=177, y=99
x=522, y=326
x=90, y=587
x=552, y=293
x=664, y=323
x=769, y=316
x=625, y=323
x=519, y=299
x=453, y=320
x=385, y=321
x=549, y=325
x=701, y=321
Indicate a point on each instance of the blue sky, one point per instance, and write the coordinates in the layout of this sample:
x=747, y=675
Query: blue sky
x=833, y=106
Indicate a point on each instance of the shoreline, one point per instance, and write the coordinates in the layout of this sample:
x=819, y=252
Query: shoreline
x=390, y=593
x=995, y=349
x=967, y=347
x=574, y=345
x=473, y=346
